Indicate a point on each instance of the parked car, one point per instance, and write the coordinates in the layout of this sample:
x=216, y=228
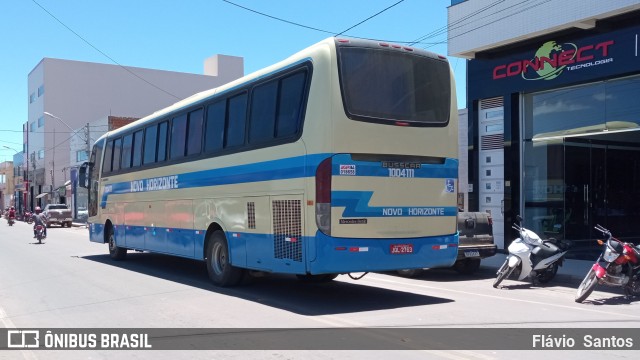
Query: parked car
x=476, y=243
x=57, y=214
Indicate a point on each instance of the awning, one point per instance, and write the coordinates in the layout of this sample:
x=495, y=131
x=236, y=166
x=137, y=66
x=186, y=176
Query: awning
x=42, y=195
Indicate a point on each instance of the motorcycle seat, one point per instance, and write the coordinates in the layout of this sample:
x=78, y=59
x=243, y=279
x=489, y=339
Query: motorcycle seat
x=545, y=250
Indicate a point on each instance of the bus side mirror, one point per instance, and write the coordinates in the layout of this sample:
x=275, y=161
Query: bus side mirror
x=83, y=176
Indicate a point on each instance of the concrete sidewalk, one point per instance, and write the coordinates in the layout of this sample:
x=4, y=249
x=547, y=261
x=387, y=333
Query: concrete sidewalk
x=571, y=271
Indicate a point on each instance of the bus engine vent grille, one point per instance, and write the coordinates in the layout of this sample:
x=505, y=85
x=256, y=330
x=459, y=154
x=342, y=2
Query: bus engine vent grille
x=251, y=215
x=287, y=229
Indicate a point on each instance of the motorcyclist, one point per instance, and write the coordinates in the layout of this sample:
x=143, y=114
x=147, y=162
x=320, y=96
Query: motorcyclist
x=11, y=216
x=39, y=219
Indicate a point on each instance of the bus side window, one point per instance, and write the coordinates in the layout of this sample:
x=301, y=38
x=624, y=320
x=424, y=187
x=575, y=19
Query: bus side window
x=236, y=120
x=127, y=145
x=137, y=148
x=194, y=134
x=117, y=143
x=108, y=156
x=150, y=142
x=264, y=99
x=178, y=137
x=292, y=91
x=162, y=141
x=214, y=127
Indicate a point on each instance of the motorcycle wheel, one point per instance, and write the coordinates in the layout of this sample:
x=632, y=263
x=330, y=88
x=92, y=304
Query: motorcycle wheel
x=548, y=274
x=586, y=286
x=634, y=286
x=503, y=273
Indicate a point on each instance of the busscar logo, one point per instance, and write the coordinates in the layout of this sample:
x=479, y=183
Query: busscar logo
x=401, y=165
x=552, y=59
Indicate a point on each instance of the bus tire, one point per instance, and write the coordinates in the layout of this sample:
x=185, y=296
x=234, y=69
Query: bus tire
x=220, y=271
x=321, y=278
x=115, y=252
x=410, y=273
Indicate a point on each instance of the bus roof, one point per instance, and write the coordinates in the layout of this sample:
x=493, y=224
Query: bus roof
x=297, y=57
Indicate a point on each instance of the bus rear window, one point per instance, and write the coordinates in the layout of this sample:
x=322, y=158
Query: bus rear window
x=387, y=86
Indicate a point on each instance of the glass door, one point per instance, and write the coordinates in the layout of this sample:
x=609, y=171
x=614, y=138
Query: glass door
x=585, y=193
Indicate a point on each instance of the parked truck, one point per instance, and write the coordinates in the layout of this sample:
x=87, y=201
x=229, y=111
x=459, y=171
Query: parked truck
x=475, y=231
x=58, y=214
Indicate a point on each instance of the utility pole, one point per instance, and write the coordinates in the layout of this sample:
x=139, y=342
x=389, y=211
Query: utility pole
x=53, y=164
x=88, y=138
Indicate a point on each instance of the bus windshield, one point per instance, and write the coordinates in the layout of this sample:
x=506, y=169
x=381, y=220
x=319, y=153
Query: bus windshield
x=380, y=85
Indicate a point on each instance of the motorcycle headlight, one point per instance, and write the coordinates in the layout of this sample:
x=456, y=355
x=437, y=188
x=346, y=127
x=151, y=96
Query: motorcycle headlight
x=610, y=255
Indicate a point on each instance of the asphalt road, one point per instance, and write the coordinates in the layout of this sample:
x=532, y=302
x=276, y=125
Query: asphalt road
x=69, y=282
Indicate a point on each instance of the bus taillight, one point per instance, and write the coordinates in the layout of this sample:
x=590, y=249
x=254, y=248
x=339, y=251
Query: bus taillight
x=323, y=196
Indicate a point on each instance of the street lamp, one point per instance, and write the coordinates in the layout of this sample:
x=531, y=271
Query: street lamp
x=84, y=138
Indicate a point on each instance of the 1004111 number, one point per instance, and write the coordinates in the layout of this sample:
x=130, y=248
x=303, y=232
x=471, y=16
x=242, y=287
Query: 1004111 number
x=405, y=173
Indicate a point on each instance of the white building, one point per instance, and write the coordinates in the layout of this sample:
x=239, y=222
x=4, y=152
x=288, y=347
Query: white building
x=65, y=95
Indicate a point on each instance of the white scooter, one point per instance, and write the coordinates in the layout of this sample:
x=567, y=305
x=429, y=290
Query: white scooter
x=530, y=256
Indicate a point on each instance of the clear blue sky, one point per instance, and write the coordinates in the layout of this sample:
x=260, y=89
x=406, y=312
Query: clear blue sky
x=179, y=35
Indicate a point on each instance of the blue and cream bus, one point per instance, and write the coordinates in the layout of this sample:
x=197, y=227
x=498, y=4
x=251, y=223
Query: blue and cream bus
x=340, y=159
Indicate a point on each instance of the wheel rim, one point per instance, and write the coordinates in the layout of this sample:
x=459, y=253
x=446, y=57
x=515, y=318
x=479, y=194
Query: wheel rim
x=218, y=258
x=112, y=243
x=586, y=283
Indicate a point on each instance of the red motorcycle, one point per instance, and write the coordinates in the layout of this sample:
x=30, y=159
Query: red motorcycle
x=618, y=265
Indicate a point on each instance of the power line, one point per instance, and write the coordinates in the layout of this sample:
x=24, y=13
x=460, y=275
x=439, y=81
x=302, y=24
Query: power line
x=369, y=18
x=102, y=52
x=487, y=24
x=449, y=26
x=317, y=29
x=277, y=18
x=10, y=142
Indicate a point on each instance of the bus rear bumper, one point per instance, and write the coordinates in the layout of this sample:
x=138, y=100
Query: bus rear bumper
x=344, y=255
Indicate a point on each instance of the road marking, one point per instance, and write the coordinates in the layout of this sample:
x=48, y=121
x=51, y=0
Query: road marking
x=626, y=315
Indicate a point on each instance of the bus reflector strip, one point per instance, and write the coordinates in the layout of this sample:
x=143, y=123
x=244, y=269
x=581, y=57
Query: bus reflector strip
x=291, y=239
x=358, y=249
x=341, y=248
x=168, y=230
x=439, y=247
x=197, y=232
x=235, y=235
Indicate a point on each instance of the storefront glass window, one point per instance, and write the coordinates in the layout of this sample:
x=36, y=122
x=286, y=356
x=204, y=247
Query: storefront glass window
x=581, y=159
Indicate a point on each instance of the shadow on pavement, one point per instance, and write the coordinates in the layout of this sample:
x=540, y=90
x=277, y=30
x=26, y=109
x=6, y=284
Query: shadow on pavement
x=285, y=292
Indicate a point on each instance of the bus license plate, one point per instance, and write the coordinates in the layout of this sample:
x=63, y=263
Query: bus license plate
x=401, y=249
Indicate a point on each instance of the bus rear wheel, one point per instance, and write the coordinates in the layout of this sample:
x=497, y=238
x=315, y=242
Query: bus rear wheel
x=220, y=270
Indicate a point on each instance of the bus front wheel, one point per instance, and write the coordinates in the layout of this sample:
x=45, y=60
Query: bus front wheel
x=115, y=252
x=221, y=272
